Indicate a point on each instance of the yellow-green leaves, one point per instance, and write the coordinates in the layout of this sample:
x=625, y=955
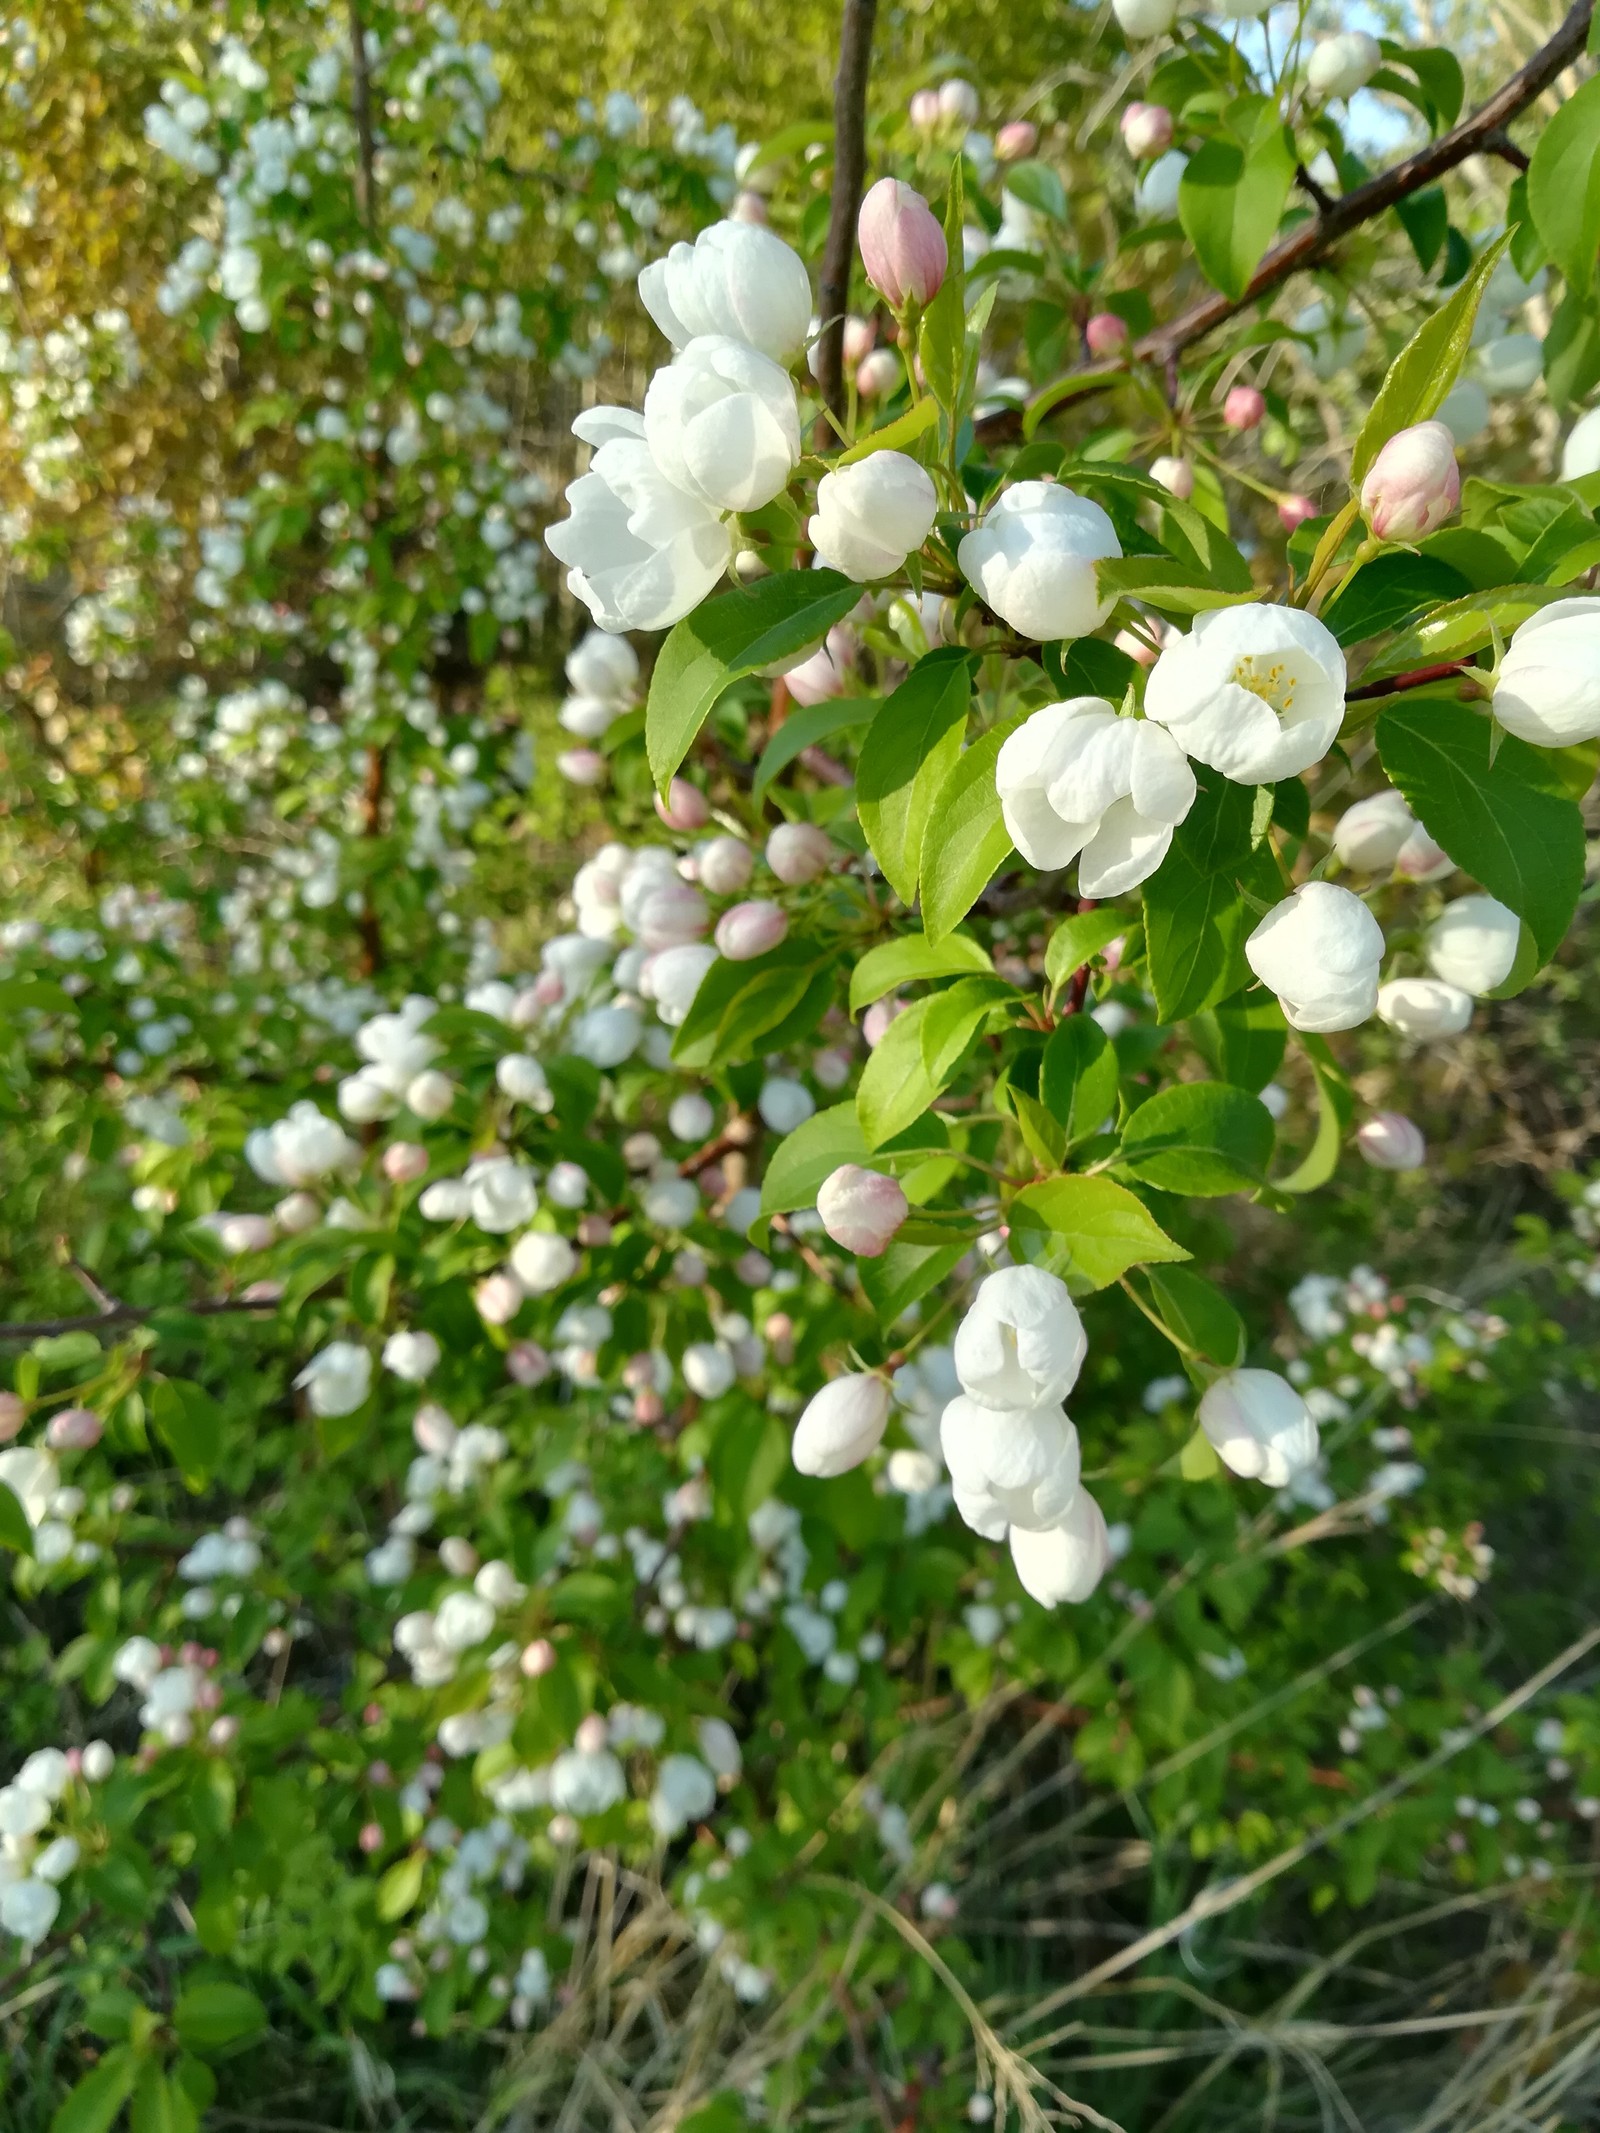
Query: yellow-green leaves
x=1422, y=373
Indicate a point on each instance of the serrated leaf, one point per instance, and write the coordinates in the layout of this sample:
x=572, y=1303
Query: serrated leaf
x=912, y=960
x=911, y=747
x=727, y=637
x=1103, y=1228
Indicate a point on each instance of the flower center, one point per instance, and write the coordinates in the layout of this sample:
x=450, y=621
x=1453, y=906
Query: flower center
x=1274, y=683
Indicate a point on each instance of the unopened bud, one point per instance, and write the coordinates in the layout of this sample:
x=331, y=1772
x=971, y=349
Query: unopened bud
x=13, y=1413
x=1293, y=511
x=1016, y=139
x=878, y=374
x=1243, y=408
x=537, y=1658
x=1413, y=485
x=923, y=110
x=404, y=1162
x=498, y=1298
x=1176, y=476
x=861, y=1209
x=842, y=1425
x=958, y=102
x=75, y=1429
x=1146, y=130
x=799, y=852
x=750, y=929
x=902, y=244
x=1391, y=1141
x=1106, y=334
x=685, y=807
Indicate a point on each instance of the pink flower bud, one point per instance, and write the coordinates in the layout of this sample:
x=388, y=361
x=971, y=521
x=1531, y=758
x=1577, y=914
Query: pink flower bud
x=548, y=989
x=13, y=1413
x=498, y=1298
x=879, y=374
x=685, y=807
x=726, y=864
x=924, y=110
x=753, y=1268
x=75, y=1429
x=875, y=1022
x=527, y=1363
x=798, y=852
x=750, y=930
x=1293, y=511
x=859, y=335
x=1422, y=858
x=1176, y=476
x=1106, y=334
x=902, y=244
x=433, y=1430
x=1413, y=485
x=748, y=207
x=591, y=1736
x=648, y=1409
x=537, y=1658
x=594, y=1232
x=582, y=766
x=1243, y=408
x=1391, y=1141
x=1017, y=138
x=223, y=1732
x=371, y=1837
x=1146, y=130
x=861, y=1209
x=404, y=1162
x=822, y=676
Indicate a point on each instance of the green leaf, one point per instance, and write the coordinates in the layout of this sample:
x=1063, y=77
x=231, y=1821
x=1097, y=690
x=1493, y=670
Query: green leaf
x=1572, y=350
x=1036, y=185
x=1388, y=591
x=1076, y=941
x=1220, y=830
x=942, y=339
x=911, y=747
x=400, y=1887
x=1500, y=811
x=730, y=636
x=1078, y=1077
x=189, y=1423
x=894, y=436
x=1202, y=1138
x=1104, y=1228
x=92, y=2105
x=1564, y=185
x=739, y=1003
x=160, y=2105
x=208, y=2017
x=965, y=838
x=1425, y=218
x=1459, y=629
x=1174, y=586
x=1198, y=1460
x=1199, y=1314
x=1321, y=1159
x=15, y=1531
x=1196, y=926
x=905, y=1272
x=1233, y=194
x=803, y=1159
x=1243, y=1038
x=1426, y=368
x=954, y=1020
x=805, y=726
x=912, y=960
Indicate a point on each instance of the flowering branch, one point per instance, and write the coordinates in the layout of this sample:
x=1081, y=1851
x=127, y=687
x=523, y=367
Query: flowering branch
x=849, y=174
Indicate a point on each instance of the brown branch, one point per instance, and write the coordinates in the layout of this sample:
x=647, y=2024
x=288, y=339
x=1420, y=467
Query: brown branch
x=1397, y=684
x=849, y=175
x=1481, y=133
x=125, y=1314
x=361, y=98
x=367, y=925
x=739, y=1133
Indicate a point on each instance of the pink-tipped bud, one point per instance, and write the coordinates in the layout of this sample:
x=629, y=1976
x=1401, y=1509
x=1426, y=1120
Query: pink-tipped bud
x=685, y=807
x=861, y=1209
x=527, y=1363
x=594, y=1232
x=75, y=1429
x=875, y=1022
x=548, y=989
x=902, y=244
x=1391, y=1141
x=537, y=1658
x=824, y=674
x=1243, y=408
x=1105, y=335
x=1176, y=476
x=799, y=852
x=1017, y=138
x=13, y=1413
x=371, y=1837
x=859, y=335
x=1293, y=511
x=749, y=207
x=923, y=110
x=582, y=766
x=726, y=864
x=1413, y=485
x=1146, y=130
x=879, y=374
x=498, y=1298
x=592, y=1735
x=750, y=929
x=648, y=1409
x=404, y=1162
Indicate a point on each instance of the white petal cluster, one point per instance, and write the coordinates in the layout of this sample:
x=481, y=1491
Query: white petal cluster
x=1321, y=952
x=1078, y=782
x=1255, y=691
x=1032, y=560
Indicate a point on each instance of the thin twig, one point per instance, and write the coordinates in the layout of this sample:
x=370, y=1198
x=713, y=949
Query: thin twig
x=361, y=100
x=849, y=175
x=124, y=1314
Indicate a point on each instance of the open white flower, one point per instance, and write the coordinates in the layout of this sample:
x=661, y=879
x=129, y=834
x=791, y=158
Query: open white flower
x=722, y=421
x=337, y=1378
x=1009, y=1467
x=1548, y=689
x=1320, y=951
x=1256, y=691
x=1259, y=1426
x=1065, y=1561
x=735, y=279
x=1032, y=560
x=640, y=552
x=1077, y=782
